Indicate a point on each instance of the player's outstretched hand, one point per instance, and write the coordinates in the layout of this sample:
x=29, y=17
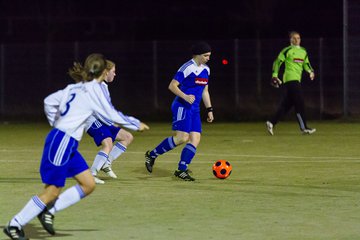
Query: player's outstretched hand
x=143, y=127
x=275, y=82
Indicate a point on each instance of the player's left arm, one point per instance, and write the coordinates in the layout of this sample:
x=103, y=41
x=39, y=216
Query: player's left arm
x=207, y=103
x=308, y=68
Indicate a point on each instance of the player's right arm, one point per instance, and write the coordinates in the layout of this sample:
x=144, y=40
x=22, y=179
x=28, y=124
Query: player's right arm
x=51, y=106
x=278, y=62
x=174, y=88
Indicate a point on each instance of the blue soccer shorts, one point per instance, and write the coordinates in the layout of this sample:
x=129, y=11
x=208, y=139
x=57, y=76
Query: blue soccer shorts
x=185, y=119
x=60, y=159
x=99, y=131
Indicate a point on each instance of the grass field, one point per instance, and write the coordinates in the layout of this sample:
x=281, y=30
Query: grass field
x=287, y=186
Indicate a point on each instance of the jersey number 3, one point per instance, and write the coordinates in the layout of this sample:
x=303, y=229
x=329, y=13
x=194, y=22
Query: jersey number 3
x=72, y=96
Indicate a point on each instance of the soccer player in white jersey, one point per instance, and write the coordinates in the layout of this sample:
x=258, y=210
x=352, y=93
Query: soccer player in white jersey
x=66, y=111
x=190, y=85
x=105, y=133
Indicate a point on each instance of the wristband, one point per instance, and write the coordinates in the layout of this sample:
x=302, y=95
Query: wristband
x=210, y=109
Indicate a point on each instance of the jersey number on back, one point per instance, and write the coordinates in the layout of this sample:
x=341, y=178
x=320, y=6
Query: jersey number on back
x=68, y=105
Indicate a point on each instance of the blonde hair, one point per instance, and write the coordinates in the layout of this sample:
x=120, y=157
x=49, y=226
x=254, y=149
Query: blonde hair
x=93, y=68
x=292, y=33
x=109, y=64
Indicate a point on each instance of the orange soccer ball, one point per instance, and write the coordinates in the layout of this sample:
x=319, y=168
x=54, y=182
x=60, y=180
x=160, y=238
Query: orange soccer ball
x=222, y=169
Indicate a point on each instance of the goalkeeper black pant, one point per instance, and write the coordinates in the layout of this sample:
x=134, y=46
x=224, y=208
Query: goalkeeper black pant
x=292, y=97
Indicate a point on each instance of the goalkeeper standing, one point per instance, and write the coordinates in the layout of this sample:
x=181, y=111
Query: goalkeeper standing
x=296, y=60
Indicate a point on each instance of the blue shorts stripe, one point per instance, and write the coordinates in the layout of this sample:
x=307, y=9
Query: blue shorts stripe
x=59, y=155
x=185, y=119
x=100, y=131
x=60, y=159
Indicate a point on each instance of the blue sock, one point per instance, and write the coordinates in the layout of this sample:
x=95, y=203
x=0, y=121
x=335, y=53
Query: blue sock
x=187, y=155
x=165, y=146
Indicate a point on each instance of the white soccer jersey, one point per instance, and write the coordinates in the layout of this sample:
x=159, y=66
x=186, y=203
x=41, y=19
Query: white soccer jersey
x=129, y=122
x=69, y=108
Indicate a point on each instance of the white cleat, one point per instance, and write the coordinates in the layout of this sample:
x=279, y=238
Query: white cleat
x=309, y=131
x=270, y=127
x=108, y=171
x=98, y=180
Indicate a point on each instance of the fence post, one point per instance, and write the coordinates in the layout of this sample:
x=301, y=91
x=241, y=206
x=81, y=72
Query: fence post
x=48, y=64
x=236, y=73
x=320, y=73
x=76, y=50
x=345, y=58
x=258, y=71
x=155, y=74
x=2, y=79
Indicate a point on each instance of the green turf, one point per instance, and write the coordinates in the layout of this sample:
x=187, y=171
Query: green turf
x=287, y=186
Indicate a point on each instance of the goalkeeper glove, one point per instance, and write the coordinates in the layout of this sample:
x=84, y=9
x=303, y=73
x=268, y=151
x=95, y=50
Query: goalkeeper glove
x=275, y=82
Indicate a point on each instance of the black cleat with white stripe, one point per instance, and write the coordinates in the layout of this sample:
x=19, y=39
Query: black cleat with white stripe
x=149, y=162
x=47, y=221
x=184, y=175
x=14, y=233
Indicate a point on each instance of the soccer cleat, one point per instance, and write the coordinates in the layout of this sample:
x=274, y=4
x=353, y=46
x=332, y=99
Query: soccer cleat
x=184, y=175
x=149, y=162
x=309, y=131
x=270, y=127
x=98, y=180
x=108, y=171
x=14, y=233
x=47, y=221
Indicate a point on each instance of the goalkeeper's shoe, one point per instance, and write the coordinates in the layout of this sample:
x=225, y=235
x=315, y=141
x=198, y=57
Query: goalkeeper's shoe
x=47, y=221
x=149, y=162
x=309, y=131
x=184, y=175
x=109, y=172
x=14, y=233
x=270, y=127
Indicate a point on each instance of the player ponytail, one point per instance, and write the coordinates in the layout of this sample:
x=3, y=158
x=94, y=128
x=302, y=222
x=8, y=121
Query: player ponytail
x=94, y=65
x=93, y=68
x=77, y=72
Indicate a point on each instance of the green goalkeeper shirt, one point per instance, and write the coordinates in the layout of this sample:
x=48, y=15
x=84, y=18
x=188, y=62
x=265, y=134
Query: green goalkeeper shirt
x=296, y=60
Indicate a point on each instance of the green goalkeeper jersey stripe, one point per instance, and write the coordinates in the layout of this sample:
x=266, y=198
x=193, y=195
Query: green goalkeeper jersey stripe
x=296, y=60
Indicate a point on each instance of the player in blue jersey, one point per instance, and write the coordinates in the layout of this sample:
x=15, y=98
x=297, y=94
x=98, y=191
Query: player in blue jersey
x=104, y=134
x=190, y=85
x=66, y=111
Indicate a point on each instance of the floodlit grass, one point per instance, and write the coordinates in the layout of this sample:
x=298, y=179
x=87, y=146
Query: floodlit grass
x=287, y=186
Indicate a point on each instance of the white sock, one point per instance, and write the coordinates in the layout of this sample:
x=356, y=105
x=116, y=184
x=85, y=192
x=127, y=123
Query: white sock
x=116, y=151
x=99, y=161
x=67, y=198
x=30, y=211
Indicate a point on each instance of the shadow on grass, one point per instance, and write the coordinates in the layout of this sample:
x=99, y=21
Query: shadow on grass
x=157, y=172
x=33, y=231
x=20, y=180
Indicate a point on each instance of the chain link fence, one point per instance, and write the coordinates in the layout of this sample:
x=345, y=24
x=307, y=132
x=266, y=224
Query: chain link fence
x=239, y=80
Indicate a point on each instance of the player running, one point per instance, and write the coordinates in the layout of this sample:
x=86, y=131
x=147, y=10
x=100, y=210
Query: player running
x=66, y=111
x=190, y=85
x=104, y=133
x=296, y=60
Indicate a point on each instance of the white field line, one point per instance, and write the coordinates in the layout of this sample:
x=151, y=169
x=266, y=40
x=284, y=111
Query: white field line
x=214, y=156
